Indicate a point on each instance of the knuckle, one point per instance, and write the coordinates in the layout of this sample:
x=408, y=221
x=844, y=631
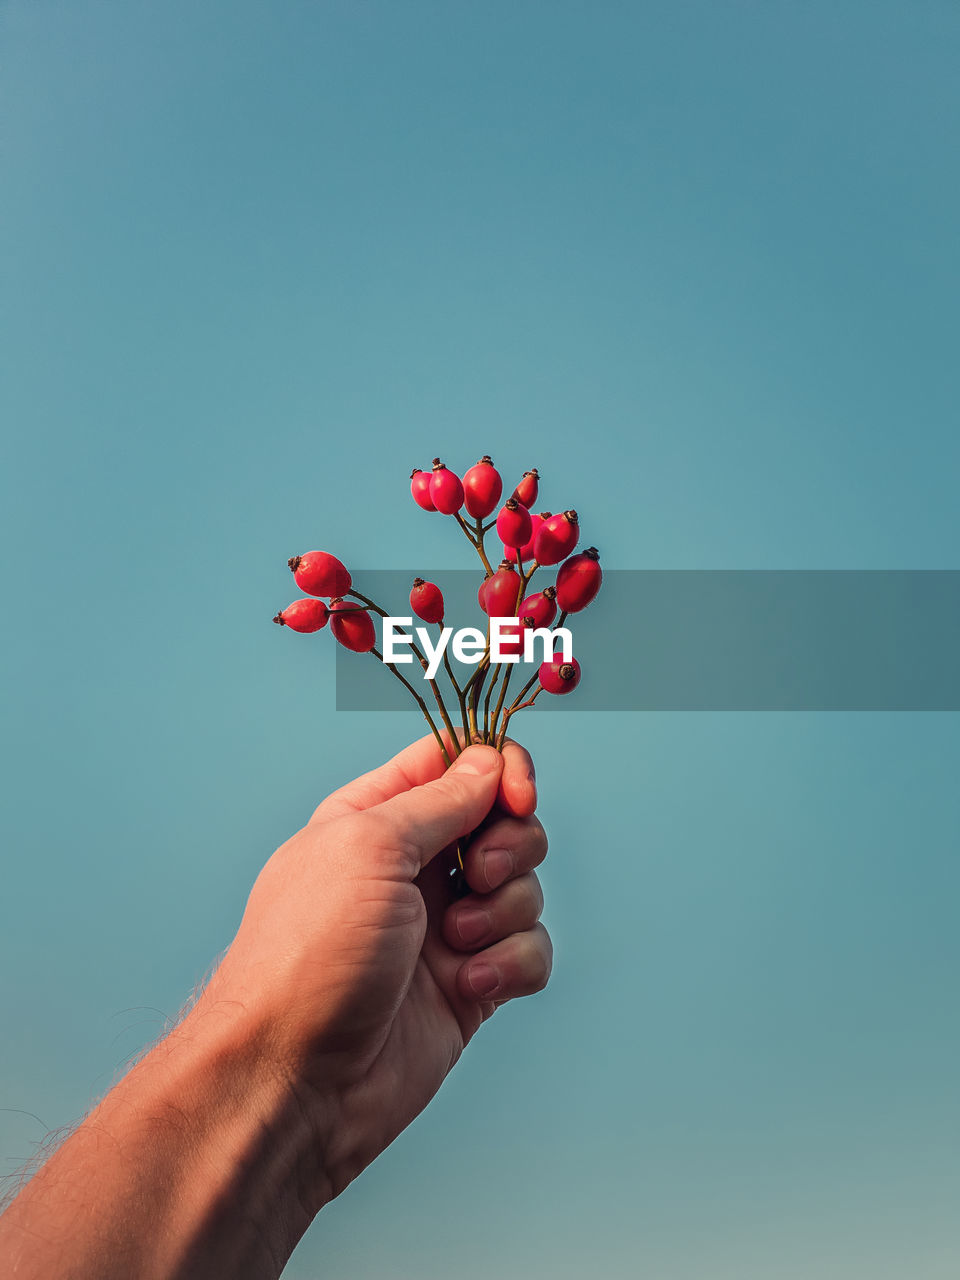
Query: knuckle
x=376, y=843
x=526, y=901
x=538, y=842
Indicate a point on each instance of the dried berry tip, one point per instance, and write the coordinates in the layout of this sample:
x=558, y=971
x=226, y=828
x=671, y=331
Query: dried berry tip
x=511, y=504
x=485, y=459
x=415, y=472
x=550, y=593
x=279, y=619
x=418, y=582
x=294, y=563
x=438, y=465
x=570, y=516
x=592, y=552
x=567, y=672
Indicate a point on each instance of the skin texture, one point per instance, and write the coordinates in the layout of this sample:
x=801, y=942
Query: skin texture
x=353, y=985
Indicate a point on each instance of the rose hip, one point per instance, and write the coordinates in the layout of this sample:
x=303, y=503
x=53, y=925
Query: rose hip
x=420, y=488
x=526, y=551
x=426, y=600
x=446, y=491
x=482, y=487
x=512, y=635
x=352, y=626
x=502, y=590
x=556, y=538
x=541, y=607
x=578, y=580
x=526, y=491
x=320, y=574
x=513, y=524
x=558, y=676
x=303, y=615
x=482, y=593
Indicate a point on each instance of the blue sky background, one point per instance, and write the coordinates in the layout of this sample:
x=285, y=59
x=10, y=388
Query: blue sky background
x=697, y=262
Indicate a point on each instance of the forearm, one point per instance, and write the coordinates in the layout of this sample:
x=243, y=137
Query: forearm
x=202, y=1162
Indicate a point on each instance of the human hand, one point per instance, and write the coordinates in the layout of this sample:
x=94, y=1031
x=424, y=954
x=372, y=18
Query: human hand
x=365, y=975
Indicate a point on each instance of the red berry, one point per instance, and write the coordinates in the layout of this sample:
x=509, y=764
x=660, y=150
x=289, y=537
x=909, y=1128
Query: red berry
x=446, y=491
x=426, y=600
x=541, y=607
x=526, y=551
x=558, y=676
x=352, y=626
x=482, y=488
x=320, y=574
x=526, y=491
x=556, y=538
x=420, y=488
x=482, y=593
x=513, y=524
x=303, y=615
x=511, y=636
x=578, y=580
x=502, y=590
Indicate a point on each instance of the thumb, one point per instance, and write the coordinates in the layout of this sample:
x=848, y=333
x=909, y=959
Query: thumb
x=428, y=818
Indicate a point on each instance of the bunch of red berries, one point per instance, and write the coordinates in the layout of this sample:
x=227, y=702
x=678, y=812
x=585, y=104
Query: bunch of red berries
x=531, y=543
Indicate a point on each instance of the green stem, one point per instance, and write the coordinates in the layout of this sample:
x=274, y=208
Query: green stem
x=504, y=685
x=420, y=703
x=461, y=695
x=486, y=702
x=444, y=715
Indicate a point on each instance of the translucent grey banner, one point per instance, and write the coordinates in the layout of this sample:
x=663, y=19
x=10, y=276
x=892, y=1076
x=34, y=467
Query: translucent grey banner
x=717, y=640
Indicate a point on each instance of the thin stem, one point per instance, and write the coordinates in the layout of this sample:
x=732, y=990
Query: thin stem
x=523, y=692
x=446, y=662
x=465, y=527
x=420, y=703
x=478, y=542
x=504, y=685
x=486, y=702
x=512, y=711
x=461, y=696
x=444, y=714
x=472, y=681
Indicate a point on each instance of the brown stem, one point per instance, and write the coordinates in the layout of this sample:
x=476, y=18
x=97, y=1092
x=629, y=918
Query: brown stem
x=486, y=702
x=512, y=711
x=504, y=685
x=466, y=528
x=461, y=696
x=444, y=715
x=523, y=692
x=420, y=703
x=478, y=543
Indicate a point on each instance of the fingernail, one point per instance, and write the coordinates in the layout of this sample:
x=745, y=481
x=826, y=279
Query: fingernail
x=483, y=980
x=498, y=864
x=473, y=924
x=478, y=760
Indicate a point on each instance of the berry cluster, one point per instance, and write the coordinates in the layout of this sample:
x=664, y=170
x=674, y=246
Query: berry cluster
x=531, y=542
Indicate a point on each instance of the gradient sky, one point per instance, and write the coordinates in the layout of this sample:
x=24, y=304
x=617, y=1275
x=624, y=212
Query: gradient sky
x=699, y=263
